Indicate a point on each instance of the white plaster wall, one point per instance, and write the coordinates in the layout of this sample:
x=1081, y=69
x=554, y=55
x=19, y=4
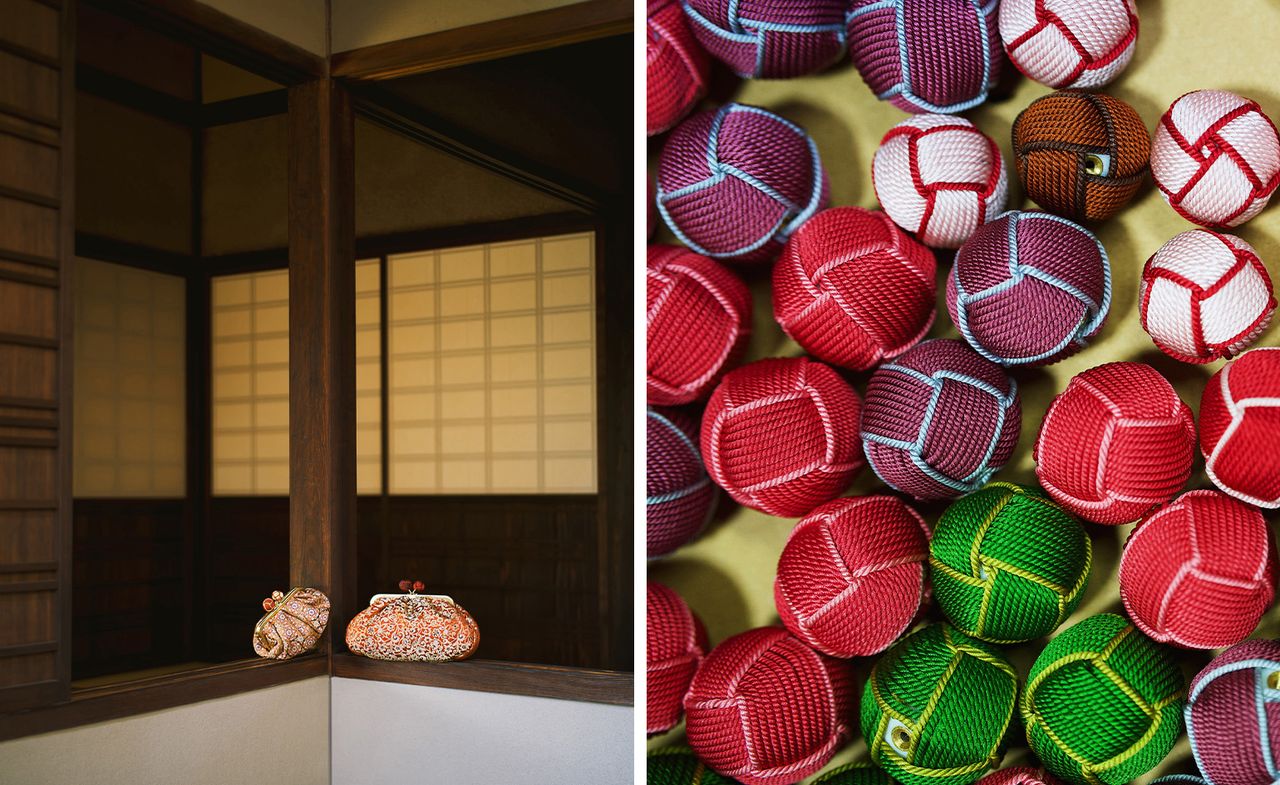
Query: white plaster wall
x=389, y=733
x=358, y=23
x=277, y=735
x=300, y=22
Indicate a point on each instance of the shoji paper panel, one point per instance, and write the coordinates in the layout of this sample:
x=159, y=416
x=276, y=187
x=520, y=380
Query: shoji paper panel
x=130, y=382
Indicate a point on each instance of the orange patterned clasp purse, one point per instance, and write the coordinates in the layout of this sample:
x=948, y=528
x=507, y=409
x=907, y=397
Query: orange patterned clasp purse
x=413, y=627
x=293, y=624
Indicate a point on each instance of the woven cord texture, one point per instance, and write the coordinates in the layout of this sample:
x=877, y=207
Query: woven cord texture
x=1199, y=572
x=679, y=766
x=1058, y=138
x=1102, y=703
x=1233, y=715
x=780, y=435
x=1115, y=443
x=1239, y=418
x=853, y=289
x=765, y=708
x=1019, y=775
x=1216, y=158
x=851, y=577
x=770, y=39
x=1029, y=288
x=697, y=324
x=675, y=644
x=858, y=773
x=1007, y=564
x=1066, y=43
x=937, y=706
x=679, y=494
x=675, y=66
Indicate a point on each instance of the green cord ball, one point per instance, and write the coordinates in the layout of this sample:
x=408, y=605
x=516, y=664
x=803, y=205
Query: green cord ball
x=1103, y=703
x=937, y=707
x=679, y=766
x=860, y=773
x=1008, y=564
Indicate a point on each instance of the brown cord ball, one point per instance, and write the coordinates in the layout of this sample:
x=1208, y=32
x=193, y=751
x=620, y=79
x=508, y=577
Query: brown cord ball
x=1081, y=155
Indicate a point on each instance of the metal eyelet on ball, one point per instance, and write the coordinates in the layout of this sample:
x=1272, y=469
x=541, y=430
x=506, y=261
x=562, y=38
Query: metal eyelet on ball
x=1097, y=164
x=899, y=737
x=1273, y=680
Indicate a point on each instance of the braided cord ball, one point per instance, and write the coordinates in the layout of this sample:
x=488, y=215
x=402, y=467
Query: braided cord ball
x=1205, y=296
x=853, y=289
x=1007, y=564
x=1216, y=158
x=766, y=709
x=780, y=435
x=857, y=773
x=766, y=39
x=679, y=496
x=1239, y=418
x=939, y=177
x=851, y=577
x=679, y=766
x=926, y=56
x=1179, y=779
x=1019, y=775
x=1117, y=442
x=675, y=66
x=735, y=183
x=1029, y=289
x=697, y=322
x=676, y=643
x=937, y=707
x=1199, y=572
x=1233, y=715
x=1103, y=703
x=940, y=420
x=1081, y=155
x=1069, y=43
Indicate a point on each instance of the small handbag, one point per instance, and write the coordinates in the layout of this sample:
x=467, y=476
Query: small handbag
x=293, y=624
x=413, y=627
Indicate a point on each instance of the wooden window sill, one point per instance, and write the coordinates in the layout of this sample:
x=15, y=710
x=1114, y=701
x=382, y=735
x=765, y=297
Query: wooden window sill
x=113, y=701
x=511, y=678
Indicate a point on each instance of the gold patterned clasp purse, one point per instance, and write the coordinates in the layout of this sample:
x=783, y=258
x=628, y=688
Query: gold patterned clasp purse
x=293, y=624
x=414, y=627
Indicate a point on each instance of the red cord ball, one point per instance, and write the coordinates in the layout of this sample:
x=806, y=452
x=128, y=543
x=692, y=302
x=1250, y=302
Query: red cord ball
x=1199, y=572
x=1115, y=444
x=1239, y=420
x=853, y=289
x=765, y=709
x=851, y=577
x=781, y=435
x=675, y=66
x=698, y=320
x=1020, y=775
x=679, y=496
x=676, y=643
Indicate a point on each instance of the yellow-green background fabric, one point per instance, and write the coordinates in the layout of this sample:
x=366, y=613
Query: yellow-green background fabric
x=727, y=575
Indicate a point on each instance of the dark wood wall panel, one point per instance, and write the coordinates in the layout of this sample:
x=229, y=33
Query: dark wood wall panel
x=28, y=228
x=29, y=89
x=246, y=553
x=33, y=311
x=30, y=26
x=28, y=166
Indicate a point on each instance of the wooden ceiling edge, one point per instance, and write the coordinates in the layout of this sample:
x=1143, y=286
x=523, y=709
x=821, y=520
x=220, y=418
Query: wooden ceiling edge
x=532, y=32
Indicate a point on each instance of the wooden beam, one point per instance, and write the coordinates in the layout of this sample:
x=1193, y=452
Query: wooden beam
x=531, y=32
x=322, y=382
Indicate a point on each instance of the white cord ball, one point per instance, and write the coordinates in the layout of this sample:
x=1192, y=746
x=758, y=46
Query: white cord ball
x=1205, y=296
x=1216, y=158
x=1069, y=43
x=939, y=177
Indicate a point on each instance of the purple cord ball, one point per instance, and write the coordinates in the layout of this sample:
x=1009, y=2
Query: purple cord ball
x=770, y=39
x=1233, y=714
x=679, y=496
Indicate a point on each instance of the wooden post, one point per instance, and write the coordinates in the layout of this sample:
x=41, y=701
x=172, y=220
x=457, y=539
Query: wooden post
x=322, y=431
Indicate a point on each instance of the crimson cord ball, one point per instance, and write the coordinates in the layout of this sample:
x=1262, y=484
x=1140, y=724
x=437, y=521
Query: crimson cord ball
x=1215, y=157
x=768, y=39
x=679, y=766
x=1069, y=43
x=1199, y=572
x=937, y=707
x=679, y=496
x=675, y=66
x=939, y=177
x=1081, y=155
x=766, y=709
x=1205, y=296
x=853, y=289
x=676, y=642
x=1116, y=443
x=1233, y=715
x=697, y=323
x=736, y=182
x=780, y=435
x=1020, y=775
x=1239, y=420
x=940, y=420
x=927, y=56
x=851, y=578
x=1029, y=288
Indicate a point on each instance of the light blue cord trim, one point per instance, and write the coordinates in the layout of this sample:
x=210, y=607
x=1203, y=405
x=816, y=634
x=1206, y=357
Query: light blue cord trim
x=1262, y=695
x=754, y=31
x=1095, y=313
x=792, y=217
